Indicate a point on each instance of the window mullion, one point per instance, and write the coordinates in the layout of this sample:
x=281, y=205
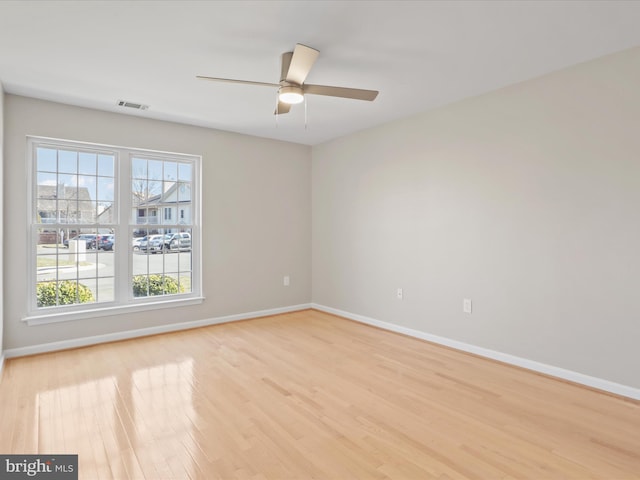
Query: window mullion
x=123, y=252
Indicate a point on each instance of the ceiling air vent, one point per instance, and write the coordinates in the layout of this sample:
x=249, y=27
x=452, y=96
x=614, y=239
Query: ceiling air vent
x=137, y=106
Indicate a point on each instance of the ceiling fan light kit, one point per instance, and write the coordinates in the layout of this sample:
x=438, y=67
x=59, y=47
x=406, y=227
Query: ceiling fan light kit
x=291, y=94
x=295, y=66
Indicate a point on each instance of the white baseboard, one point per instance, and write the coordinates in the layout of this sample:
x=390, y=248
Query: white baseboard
x=143, y=332
x=594, y=382
x=1, y=365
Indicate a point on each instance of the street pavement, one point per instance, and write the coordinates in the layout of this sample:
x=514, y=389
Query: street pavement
x=96, y=269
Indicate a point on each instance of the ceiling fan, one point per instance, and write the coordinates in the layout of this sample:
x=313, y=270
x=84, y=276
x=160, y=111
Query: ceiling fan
x=294, y=70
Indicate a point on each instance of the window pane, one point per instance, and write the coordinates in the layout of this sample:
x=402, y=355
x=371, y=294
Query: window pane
x=105, y=245
x=46, y=211
x=140, y=263
x=68, y=211
x=178, y=241
x=138, y=245
x=67, y=182
x=87, y=212
x=170, y=171
x=140, y=285
x=105, y=165
x=106, y=289
x=184, y=172
x=67, y=161
x=139, y=215
x=138, y=168
x=47, y=266
x=46, y=160
x=144, y=193
x=169, y=192
x=86, y=187
x=154, y=190
x=172, y=284
x=146, y=216
x=185, y=282
x=80, y=241
x=87, y=163
x=88, y=290
x=105, y=188
x=47, y=185
x=88, y=268
x=155, y=170
x=154, y=248
x=184, y=192
x=185, y=259
x=106, y=213
x=139, y=190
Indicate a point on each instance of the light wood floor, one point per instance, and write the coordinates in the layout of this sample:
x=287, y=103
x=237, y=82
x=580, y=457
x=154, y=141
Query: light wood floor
x=309, y=395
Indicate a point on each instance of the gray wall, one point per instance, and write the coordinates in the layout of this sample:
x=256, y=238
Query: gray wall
x=1, y=212
x=525, y=200
x=256, y=215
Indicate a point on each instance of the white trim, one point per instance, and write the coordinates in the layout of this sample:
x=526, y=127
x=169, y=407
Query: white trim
x=1, y=365
x=143, y=332
x=57, y=317
x=594, y=382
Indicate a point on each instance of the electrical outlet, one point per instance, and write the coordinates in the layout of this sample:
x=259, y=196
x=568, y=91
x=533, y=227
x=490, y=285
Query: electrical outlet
x=286, y=281
x=466, y=305
x=399, y=294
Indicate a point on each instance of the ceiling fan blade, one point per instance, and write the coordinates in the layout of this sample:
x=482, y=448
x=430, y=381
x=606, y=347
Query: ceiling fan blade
x=231, y=80
x=282, y=108
x=285, y=62
x=301, y=62
x=355, y=93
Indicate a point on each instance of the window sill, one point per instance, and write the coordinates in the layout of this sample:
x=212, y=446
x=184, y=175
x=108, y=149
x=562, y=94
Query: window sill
x=33, y=320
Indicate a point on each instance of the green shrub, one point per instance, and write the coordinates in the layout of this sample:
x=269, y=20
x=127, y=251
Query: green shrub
x=155, y=285
x=68, y=293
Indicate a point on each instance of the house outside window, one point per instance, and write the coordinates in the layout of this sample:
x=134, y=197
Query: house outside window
x=81, y=234
x=177, y=195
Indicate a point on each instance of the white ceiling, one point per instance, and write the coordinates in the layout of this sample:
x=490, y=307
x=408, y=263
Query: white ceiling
x=419, y=55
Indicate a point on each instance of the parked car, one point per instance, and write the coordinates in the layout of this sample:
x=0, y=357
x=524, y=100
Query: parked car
x=89, y=238
x=153, y=244
x=137, y=241
x=177, y=241
x=105, y=242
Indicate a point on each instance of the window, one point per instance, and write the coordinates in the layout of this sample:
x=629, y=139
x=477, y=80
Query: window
x=95, y=236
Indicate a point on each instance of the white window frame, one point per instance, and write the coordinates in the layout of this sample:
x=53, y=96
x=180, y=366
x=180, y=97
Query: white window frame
x=124, y=301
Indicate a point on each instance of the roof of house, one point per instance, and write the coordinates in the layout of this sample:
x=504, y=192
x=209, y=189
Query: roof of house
x=49, y=194
x=161, y=199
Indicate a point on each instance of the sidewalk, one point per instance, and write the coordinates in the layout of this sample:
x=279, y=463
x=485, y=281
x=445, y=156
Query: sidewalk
x=64, y=268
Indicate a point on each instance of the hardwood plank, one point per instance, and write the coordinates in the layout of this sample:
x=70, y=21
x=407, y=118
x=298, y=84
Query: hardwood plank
x=309, y=395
